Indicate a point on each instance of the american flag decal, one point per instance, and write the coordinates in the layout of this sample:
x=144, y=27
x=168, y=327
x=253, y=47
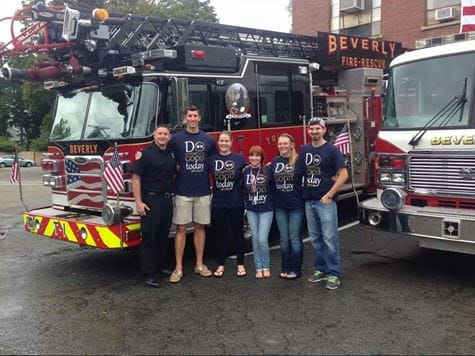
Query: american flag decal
x=84, y=182
x=113, y=173
x=342, y=142
x=15, y=172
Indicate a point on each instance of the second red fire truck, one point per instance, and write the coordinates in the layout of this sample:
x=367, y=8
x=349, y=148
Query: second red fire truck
x=425, y=150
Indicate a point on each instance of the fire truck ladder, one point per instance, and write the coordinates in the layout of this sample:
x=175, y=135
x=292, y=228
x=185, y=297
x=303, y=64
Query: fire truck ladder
x=116, y=39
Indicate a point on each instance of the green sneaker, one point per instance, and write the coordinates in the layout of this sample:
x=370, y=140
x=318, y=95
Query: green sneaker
x=317, y=276
x=333, y=282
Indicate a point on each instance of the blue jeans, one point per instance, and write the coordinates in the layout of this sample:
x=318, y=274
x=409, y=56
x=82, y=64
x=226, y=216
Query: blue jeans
x=289, y=222
x=322, y=223
x=260, y=224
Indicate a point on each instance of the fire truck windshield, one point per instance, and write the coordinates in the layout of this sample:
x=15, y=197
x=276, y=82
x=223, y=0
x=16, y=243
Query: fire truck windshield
x=114, y=112
x=418, y=91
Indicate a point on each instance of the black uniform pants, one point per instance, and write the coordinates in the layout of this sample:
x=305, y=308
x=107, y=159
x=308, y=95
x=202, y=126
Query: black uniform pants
x=155, y=228
x=222, y=219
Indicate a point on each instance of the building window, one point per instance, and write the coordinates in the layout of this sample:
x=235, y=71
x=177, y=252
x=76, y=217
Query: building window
x=440, y=11
x=335, y=19
x=356, y=17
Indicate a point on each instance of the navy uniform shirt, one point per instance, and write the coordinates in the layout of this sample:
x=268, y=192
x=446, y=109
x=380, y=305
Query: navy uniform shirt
x=257, y=191
x=192, y=151
x=317, y=166
x=156, y=169
x=287, y=194
x=226, y=171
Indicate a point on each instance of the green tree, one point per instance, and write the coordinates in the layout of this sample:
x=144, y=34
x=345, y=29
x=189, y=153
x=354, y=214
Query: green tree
x=6, y=144
x=41, y=142
x=289, y=11
x=185, y=9
x=24, y=106
x=188, y=9
x=14, y=111
x=5, y=120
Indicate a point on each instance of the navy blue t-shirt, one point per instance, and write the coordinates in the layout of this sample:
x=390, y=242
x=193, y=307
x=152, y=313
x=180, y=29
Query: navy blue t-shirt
x=287, y=195
x=317, y=166
x=192, y=151
x=257, y=190
x=227, y=171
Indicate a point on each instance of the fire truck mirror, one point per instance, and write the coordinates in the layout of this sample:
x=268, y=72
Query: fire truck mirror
x=237, y=101
x=180, y=98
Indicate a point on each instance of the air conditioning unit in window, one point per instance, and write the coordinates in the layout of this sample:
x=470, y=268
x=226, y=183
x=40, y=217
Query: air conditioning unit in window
x=444, y=14
x=350, y=6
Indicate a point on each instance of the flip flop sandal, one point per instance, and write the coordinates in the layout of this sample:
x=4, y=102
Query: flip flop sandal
x=259, y=275
x=283, y=275
x=241, y=273
x=218, y=273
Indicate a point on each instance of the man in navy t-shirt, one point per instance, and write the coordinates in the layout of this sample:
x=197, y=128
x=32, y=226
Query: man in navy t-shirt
x=192, y=203
x=318, y=163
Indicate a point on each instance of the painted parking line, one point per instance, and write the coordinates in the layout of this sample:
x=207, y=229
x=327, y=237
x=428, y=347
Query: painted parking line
x=22, y=183
x=341, y=228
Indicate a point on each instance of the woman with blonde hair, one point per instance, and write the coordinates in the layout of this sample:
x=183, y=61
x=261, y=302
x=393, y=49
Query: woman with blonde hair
x=260, y=209
x=289, y=206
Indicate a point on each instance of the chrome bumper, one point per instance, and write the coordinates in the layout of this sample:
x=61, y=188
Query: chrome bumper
x=438, y=228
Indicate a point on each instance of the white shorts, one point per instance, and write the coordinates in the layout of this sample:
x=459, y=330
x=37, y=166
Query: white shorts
x=192, y=209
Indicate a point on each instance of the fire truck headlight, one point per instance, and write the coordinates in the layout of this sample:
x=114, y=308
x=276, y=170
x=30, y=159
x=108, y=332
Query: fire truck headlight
x=398, y=178
x=111, y=214
x=52, y=181
x=393, y=198
x=385, y=177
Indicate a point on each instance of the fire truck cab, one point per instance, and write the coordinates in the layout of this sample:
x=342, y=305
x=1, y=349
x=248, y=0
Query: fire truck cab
x=425, y=150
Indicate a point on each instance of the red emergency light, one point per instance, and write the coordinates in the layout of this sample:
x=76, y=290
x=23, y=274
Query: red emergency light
x=198, y=54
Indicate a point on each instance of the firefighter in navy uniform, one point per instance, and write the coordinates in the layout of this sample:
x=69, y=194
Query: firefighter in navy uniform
x=153, y=188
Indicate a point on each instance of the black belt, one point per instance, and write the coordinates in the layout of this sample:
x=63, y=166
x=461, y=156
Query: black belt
x=165, y=195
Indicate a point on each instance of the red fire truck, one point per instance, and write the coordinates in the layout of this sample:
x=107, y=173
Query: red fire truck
x=425, y=163
x=118, y=76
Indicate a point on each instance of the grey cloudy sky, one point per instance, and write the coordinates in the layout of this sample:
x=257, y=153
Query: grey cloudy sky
x=262, y=14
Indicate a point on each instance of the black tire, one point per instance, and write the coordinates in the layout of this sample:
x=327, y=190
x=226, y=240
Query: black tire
x=28, y=164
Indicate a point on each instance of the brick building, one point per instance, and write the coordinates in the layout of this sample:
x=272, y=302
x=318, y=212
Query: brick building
x=398, y=20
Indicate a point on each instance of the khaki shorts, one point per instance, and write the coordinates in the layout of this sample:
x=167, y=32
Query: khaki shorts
x=192, y=209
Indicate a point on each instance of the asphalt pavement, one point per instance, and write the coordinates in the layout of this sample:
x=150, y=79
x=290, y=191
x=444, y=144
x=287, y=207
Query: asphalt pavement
x=395, y=298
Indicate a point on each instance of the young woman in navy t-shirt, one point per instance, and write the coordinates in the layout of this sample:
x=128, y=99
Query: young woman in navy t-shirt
x=227, y=206
x=289, y=206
